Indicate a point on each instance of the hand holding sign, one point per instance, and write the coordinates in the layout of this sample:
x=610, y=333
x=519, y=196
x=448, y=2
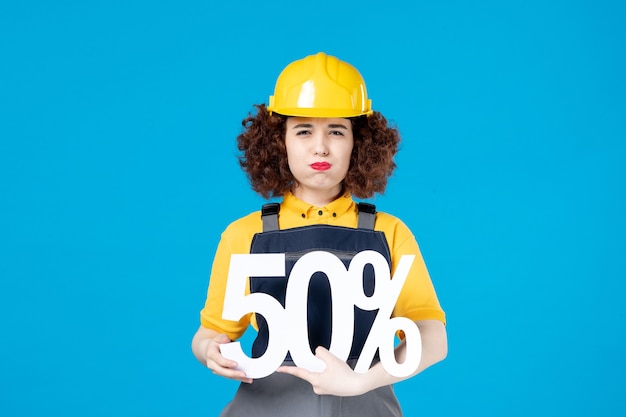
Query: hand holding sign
x=287, y=326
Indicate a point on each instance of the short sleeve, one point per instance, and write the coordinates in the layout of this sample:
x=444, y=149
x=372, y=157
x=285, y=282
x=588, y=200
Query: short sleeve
x=234, y=240
x=418, y=299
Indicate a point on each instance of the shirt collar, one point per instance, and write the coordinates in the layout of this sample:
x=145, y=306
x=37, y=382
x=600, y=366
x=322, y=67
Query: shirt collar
x=298, y=207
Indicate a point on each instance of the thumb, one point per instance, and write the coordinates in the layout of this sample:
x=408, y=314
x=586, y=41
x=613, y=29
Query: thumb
x=324, y=354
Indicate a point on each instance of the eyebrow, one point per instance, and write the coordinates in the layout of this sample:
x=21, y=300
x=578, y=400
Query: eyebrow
x=308, y=126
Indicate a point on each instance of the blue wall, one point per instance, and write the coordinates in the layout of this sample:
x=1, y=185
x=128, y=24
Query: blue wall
x=118, y=173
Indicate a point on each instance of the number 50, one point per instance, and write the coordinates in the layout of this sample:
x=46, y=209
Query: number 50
x=287, y=332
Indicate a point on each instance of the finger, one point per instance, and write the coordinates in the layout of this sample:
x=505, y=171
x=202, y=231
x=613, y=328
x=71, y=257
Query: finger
x=215, y=361
x=243, y=378
x=221, y=361
x=297, y=372
x=239, y=377
x=214, y=353
x=229, y=373
x=324, y=355
x=222, y=338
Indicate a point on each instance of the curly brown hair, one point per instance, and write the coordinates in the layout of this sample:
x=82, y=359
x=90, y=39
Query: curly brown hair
x=264, y=156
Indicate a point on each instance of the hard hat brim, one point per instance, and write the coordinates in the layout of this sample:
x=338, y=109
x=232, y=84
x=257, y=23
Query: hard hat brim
x=324, y=113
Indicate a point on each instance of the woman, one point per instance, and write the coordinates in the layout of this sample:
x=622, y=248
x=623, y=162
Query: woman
x=318, y=143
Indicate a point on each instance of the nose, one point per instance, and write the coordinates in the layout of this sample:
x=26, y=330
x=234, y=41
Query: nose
x=320, y=145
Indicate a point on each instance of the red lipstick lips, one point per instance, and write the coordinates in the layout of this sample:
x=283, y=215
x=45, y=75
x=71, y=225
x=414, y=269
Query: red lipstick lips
x=320, y=166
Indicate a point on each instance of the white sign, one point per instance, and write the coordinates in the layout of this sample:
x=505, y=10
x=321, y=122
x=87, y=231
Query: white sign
x=288, y=325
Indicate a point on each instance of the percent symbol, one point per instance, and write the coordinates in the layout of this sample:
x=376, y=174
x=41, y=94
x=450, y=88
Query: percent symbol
x=384, y=328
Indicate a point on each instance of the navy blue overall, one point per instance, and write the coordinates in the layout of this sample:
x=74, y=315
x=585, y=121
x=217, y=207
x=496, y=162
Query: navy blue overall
x=282, y=395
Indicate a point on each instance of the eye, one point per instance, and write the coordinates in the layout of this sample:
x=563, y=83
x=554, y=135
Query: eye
x=303, y=132
x=336, y=133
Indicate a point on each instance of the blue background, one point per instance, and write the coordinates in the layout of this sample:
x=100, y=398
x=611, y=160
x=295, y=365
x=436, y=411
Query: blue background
x=118, y=173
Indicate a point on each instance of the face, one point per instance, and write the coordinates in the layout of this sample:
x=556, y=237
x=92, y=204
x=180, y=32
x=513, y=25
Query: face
x=318, y=153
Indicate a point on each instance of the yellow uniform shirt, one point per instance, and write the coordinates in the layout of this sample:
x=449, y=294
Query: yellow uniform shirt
x=418, y=300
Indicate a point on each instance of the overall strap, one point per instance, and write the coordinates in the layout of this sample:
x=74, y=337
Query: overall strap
x=367, y=216
x=269, y=216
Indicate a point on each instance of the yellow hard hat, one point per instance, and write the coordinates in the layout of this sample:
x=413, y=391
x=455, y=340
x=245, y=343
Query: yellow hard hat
x=320, y=86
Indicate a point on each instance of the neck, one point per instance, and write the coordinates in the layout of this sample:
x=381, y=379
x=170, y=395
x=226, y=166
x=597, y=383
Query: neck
x=317, y=198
